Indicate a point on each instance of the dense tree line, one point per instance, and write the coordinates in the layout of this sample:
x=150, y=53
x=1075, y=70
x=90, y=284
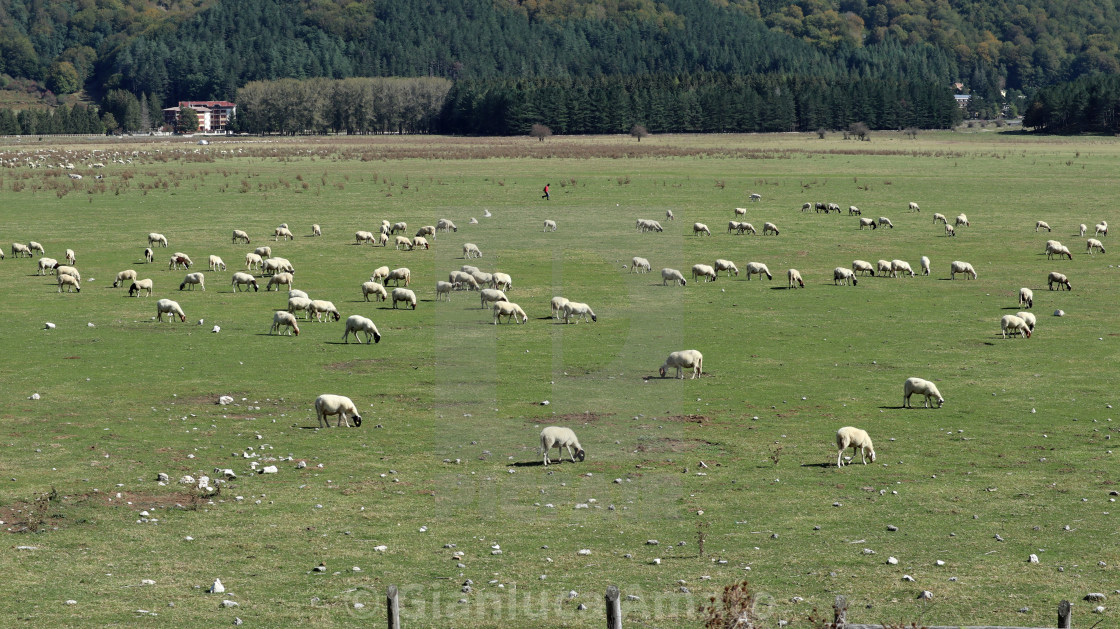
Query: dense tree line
x=78, y=119
x=1089, y=104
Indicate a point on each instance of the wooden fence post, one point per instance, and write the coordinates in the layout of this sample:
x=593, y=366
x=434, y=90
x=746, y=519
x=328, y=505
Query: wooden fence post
x=1064, y=613
x=839, y=612
x=393, y=607
x=614, y=608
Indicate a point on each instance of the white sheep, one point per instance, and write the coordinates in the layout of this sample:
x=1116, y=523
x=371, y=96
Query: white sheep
x=292, y=292
x=263, y=251
x=398, y=227
x=71, y=258
x=284, y=319
x=148, y=255
x=684, y=359
x=1029, y=318
x=740, y=211
x=1042, y=225
x=673, y=275
x=795, y=278
x=961, y=267
x=483, y=278
x=253, y=260
x=704, y=271
x=471, y=250
x=1012, y=324
x=550, y=226
x=669, y=215
x=863, y=266
x=20, y=250
x=192, y=280
x=404, y=241
x=1083, y=228
x=557, y=306
x=140, y=285
x=155, y=239
x=842, y=276
x=283, y=232
x=868, y=222
x=649, y=226
x=950, y=230
x=315, y=230
x=1092, y=244
x=925, y=265
x=278, y=280
x=639, y=265
x=1102, y=229
x=833, y=207
x=327, y=405
x=1059, y=279
x=854, y=211
x=468, y=268
x=939, y=218
x=425, y=231
x=179, y=259
x=733, y=226
x=561, y=437
x=726, y=265
x=364, y=236
x=885, y=222
x=575, y=308
x=170, y=308
x=62, y=269
x=923, y=387
x=379, y=274
x=769, y=228
x=755, y=196
x=46, y=266
x=443, y=288
x=758, y=268
x=420, y=242
x=745, y=227
x=700, y=228
x=1053, y=247
x=319, y=307
x=914, y=207
x=858, y=440
x=490, y=295
x=510, y=311
x=963, y=220
x=358, y=324
x=444, y=225
x=297, y=304
x=805, y=207
x=883, y=267
x=125, y=275
x=375, y=289
x=396, y=275
x=900, y=267
x=272, y=266
x=462, y=280
x=502, y=281
x=240, y=279
x=239, y=235
x=405, y=295
x=216, y=263
x=385, y=227
x=70, y=282
x=1026, y=297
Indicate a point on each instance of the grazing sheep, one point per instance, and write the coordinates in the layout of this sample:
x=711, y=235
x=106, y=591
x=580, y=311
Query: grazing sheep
x=148, y=255
x=550, y=226
x=842, y=276
x=900, y=266
x=396, y=275
x=833, y=207
x=34, y=246
x=758, y=268
x=1102, y=229
x=863, y=266
x=733, y=226
x=1053, y=247
x=854, y=211
x=684, y=359
x=192, y=280
x=502, y=281
x=315, y=231
x=561, y=437
x=239, y=235
x=1042, y=225
x=795, y=277
x=170, y=308
x=398, y=227
x=700, y=228
x=20, y=250
x=46, y=266
x=157, y=239
x=769, y=228
x=726, y=265
x=645, y=225
x=292, y=292
x=868, y=222
x=1030, y=319
x=885, y=222
x=576, y=308
x=379, y=274
x=674, y=275
x=297, y=304
x=483, y=278
x=319, y=307
x=557, y=306
x=283, y=232
x=420, y=242
x=473, y=221
x=1092, y=244
x=914, y=207
x=272, y=266
x=278, y=280
x=382, y=240
x=244, y=279
x=385, y=227
x=375, y=289
x=669, y=215
x=364, y=236
x=939, y=218
x=70, y=282
x=140, y=285
x=71, y=258
x=1059, y=279
x=755, y=196
x=357, y=324
x=740, y=211
x=284, y=319
x=263, y=251
x=470, y=250
x=463, y=280
x=1083, y=229
x=443, y=225
x=805, y=207
x=925, y=265
x=283, y=226
x=702, y=270
x=467, y=268
x=425, y=231
x=405, y=295
x=858, y=440
x=404, y=241
x=179, y=259
x=963, y=220
x=510, y=311
x=1026, y=297
x=950, y=230
x=216, y=263
x=745, y=227
x=127, y=274
x=923, y=387
x=490, y=295
x=883, y=266
x=62, y=269
x=819, y=207
x=327, y=405
x=961, y=267
x=253, y=260
x=442, y=288
x=1012, y=324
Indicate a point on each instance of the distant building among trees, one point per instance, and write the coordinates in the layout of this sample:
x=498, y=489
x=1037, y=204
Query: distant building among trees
x=214, y=116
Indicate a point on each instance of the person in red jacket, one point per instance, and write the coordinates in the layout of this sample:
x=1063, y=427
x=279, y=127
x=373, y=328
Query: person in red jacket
x=545, y=195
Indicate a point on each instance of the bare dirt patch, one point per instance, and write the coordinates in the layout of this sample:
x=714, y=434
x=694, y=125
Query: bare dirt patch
x=667, y=444
x=571, y=418
x=688, y=419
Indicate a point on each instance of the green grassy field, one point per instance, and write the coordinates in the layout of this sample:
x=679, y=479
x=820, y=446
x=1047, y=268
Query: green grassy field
x=452, y=404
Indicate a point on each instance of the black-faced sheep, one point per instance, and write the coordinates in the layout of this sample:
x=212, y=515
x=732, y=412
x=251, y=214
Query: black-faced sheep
x=327, y=405
x=923, y=387
x=684, y=359
x=358, y=324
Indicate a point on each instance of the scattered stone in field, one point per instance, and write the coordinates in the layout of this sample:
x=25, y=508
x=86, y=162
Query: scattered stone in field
x=998, y=538
x=572, y=594
x=228, y=604
x=1059, y=313
x=301, y=465
x=225, y=399
x=71, y=602
x=238, y=622
x=1066, y=528
x=796, y=599
x=656, y=561
x=1033, y=558
x=633, y=597
x=162, y=477
x=925, y=595
x=652, y=542
x=1099, y=609
x=188, y=539
x=269, y=469
x=1023, y=610
x=322, y=567
x=817, y=528
x=907, y=577
x=868, y=551
x=837, y=504
x=892, y=561
x=355, y=569
x=628, y=556
x=147, y=582
x=1095, y=597
x=584, y=551
x=892, y=528
x=495, y=552
x=953, y=579
x=1101, y=564
x=466, y=589
x=382, y=548
x=49, y=326
x=581, y=607
x=217, y=587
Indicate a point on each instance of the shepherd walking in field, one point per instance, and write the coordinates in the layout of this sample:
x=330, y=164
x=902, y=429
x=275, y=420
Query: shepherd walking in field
x=545, y=195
